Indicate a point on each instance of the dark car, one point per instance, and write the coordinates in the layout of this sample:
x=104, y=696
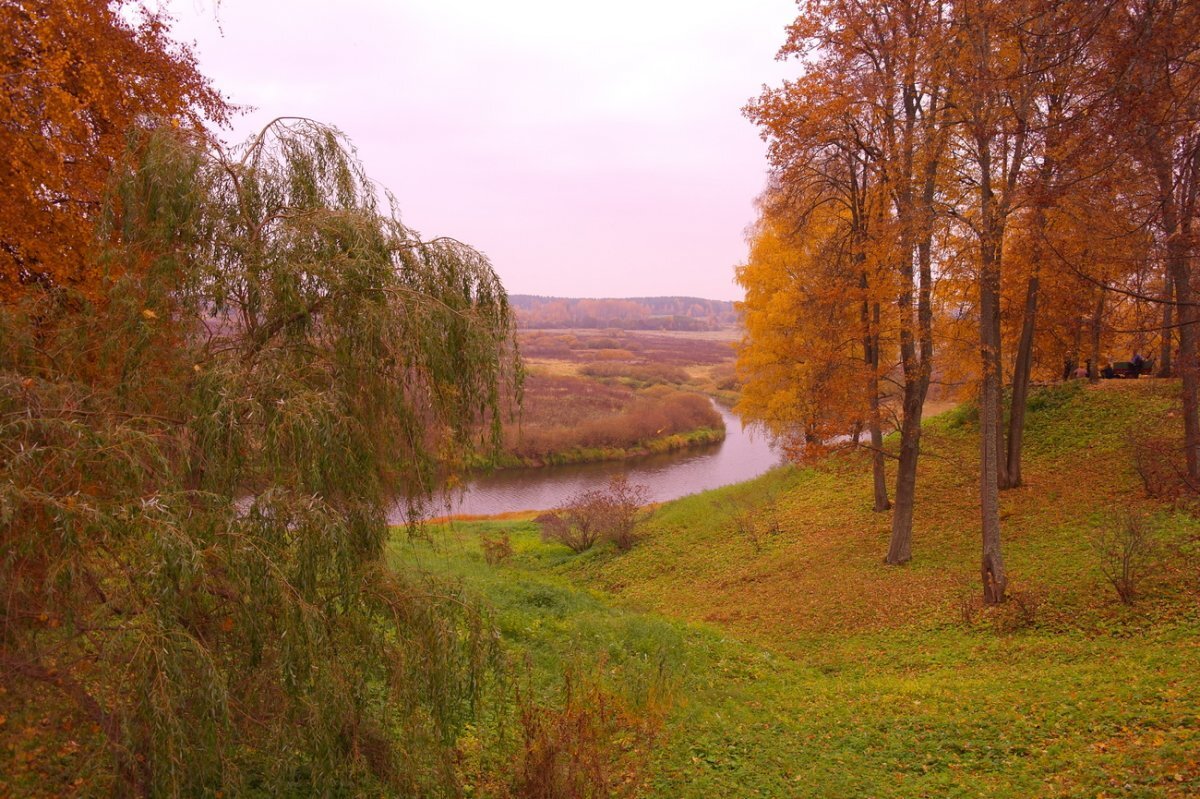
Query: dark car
x=1126, y=369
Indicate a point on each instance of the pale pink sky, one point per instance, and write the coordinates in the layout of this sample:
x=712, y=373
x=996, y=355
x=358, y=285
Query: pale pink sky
x=592, y=150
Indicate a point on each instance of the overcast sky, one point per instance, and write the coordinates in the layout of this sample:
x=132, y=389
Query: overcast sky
x=590, y=149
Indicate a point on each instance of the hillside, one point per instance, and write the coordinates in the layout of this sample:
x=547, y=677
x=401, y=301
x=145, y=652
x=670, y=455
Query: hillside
x=801, y=666
x=633, y=313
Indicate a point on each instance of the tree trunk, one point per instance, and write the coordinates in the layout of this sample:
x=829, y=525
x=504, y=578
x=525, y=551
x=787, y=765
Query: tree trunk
x=878, y=472
x=870, y=320
x=1020, y=389
x=900, y=548
x=1189, y=370
x=1097, y=324
x=1168, y=334
x=990, y=393
x=992, y=569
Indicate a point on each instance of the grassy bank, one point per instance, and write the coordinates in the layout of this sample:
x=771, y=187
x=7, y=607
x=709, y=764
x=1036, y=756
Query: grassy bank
x=800, y=666
x=585, y=454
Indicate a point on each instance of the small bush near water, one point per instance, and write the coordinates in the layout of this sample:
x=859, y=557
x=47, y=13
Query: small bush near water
x=609, y=514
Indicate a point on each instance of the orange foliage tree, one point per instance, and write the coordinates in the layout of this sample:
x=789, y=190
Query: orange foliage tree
x=1025, y=148
x=78, y=76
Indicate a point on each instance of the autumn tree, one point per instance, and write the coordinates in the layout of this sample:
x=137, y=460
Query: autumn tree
x=1152, y=53
x=806, y=286
x=1066, y=145
x=196, y=475
x=65, y=117
x=878, y=76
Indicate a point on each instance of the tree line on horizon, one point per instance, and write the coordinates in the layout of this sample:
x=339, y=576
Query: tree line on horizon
x=985, y=193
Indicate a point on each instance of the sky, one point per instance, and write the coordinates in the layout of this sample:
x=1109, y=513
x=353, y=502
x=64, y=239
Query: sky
x=589, y=149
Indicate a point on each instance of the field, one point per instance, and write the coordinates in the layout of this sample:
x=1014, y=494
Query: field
x=771, y=653
x=595, y=395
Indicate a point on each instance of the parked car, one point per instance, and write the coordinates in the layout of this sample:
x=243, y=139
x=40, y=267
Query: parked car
x=1126, y=370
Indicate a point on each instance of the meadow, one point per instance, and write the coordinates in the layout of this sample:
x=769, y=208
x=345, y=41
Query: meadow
x=755, y=644
x=605, y=395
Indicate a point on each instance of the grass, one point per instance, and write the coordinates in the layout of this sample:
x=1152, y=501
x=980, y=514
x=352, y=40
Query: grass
x=801, y=666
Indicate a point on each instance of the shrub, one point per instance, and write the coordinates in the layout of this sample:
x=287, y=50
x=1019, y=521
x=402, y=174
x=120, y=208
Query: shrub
x=595, y=745
x=1123, y=550
x=1158, y=460
x=755, y=521
x=496, y=550
x=611, y=513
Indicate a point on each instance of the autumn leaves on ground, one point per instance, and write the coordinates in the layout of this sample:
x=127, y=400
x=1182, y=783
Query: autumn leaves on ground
x=777, y=655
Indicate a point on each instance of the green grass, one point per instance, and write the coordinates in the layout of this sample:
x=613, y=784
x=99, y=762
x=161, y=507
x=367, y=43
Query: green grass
x=801, y=666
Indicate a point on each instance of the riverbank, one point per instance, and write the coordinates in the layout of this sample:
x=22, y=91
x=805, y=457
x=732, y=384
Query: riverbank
x=757, y=627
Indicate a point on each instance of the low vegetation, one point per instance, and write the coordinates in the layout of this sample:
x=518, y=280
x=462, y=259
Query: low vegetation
x=794, y=663
x=608, y=514
x=573, y=419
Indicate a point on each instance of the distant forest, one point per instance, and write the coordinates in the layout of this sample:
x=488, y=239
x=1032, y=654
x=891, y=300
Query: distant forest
x=633, y=313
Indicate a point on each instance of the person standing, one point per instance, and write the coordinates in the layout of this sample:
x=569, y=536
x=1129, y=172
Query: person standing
x=1137, y=361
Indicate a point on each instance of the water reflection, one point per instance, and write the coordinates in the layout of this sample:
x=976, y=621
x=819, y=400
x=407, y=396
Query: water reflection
x=745, y=453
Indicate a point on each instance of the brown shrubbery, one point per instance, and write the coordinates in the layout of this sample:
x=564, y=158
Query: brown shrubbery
x=1124, y=549
x=595, y=745
x=562, y=413
x=603, y=514
x=496, y=550
x=1159, y=461
x=580, y=347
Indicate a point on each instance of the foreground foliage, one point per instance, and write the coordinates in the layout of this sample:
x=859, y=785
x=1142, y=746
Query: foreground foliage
x=195, y=476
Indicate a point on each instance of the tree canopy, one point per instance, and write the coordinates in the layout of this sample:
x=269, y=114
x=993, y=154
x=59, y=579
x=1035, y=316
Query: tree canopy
x=196, y=473
x=65, y=117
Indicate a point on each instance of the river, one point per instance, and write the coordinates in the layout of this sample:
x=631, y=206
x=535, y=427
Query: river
x=745, y=453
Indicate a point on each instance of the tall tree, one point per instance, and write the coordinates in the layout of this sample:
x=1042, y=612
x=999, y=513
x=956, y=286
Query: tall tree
x=1153, y=55
x=65, y=115
x=881, y=73
x=1060, y=72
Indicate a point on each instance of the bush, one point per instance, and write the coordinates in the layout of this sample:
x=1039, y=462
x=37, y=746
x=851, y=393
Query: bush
x=496, y=550
x=1123, y=550
x=756, y=521
x=611, y=514
x=1159, y=461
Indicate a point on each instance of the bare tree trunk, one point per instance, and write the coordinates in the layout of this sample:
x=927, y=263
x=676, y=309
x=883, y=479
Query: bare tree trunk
x=1097, y=324
x=870, y=324
x=1020, y=390
x=878, y=472
x=990, y=394
x=1189, y=370
x=1168, y=334
x=900, y=547
x=992, y=567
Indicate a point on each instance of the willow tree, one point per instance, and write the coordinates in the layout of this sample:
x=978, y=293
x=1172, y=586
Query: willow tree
x=196, y=476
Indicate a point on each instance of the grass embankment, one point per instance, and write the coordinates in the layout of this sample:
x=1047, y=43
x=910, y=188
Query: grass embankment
x=804, y=667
